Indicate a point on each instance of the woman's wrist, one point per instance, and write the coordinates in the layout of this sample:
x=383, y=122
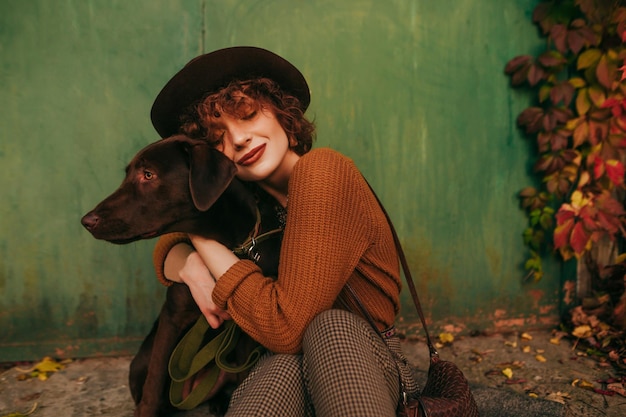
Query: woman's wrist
x=175, y=261
x=217, y=257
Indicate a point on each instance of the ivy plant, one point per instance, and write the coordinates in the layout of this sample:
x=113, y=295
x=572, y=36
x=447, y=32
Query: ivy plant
x=578, y=124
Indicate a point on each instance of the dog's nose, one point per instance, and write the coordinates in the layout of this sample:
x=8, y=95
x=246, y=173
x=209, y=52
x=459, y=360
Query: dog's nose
x=90, y=220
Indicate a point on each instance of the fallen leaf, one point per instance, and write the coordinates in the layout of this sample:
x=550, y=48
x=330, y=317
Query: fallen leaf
x=446, y=338
x=618, y=388
x=526, y=336
x=555, y=340
x=512, y=344
x=582, y=331
x=40, y=370
x=29, y=412
x=540, y=358
x=581, y=383
x=507, y=372
x=558, y=397
x=533, y=395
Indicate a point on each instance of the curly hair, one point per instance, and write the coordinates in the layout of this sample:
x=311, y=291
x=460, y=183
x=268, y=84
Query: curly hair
x=239, y=99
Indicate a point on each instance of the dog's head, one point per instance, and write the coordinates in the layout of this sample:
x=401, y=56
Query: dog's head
x=170, y=185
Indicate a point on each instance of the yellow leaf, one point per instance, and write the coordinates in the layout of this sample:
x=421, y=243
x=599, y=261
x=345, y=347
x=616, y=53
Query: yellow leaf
x=582, y=331
x=555, y=340
x=526, y=336
x=40, y=370
x=507, y=372
x=540, y=358
x=533, y=395
x=446, y=338
x=49, y=365
x=512, y=344
x=581, y=383
x=526, y=349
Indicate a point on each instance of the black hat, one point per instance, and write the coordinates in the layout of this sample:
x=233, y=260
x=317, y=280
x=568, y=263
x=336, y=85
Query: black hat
x=208, y=73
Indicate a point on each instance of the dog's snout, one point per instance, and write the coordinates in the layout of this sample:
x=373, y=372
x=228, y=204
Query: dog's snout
x=90, y=220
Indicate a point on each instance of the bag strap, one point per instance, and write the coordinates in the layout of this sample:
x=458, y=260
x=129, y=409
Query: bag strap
x=407, y=275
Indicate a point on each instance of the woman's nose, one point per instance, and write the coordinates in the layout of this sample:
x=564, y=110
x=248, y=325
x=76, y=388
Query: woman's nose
x=241, y=139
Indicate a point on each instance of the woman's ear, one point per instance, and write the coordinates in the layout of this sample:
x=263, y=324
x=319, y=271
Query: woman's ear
x=210, y=173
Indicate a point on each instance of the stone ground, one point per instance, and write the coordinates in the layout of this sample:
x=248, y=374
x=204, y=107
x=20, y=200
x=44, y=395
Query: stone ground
x=98, y=387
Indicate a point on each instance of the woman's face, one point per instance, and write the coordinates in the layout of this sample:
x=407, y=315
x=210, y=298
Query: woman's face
x=257, y=143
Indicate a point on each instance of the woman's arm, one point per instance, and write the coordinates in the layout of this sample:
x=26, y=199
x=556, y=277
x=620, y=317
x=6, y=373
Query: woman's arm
x=184, y=265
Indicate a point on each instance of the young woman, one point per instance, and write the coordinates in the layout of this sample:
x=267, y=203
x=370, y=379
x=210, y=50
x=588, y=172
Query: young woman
x=325, y=359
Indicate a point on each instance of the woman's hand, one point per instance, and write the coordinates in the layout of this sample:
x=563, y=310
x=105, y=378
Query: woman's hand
x=196, y=275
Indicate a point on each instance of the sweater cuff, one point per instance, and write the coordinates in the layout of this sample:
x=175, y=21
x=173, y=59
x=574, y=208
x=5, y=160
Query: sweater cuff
x=230, y=280
x=161, y=249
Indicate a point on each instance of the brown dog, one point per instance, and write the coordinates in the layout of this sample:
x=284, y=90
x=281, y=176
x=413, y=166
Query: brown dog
x=179, y=185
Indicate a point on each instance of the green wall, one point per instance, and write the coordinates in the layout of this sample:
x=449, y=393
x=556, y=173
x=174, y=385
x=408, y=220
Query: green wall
x=412, y=90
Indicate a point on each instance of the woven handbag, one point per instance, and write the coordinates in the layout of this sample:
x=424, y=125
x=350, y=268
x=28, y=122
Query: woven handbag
x=447, y=392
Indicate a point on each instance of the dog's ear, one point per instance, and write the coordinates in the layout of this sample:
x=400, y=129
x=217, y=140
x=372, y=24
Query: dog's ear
x=210, y=173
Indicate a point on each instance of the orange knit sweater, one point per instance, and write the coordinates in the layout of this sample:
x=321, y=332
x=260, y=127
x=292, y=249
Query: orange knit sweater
x=334, y=227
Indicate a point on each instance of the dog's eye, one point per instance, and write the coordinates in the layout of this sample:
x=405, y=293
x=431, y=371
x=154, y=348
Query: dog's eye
x=147, y=175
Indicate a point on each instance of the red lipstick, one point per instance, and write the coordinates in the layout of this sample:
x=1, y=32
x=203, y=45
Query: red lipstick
x=252, y=156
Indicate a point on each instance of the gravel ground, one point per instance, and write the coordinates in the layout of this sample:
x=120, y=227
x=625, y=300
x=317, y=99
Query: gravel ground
x=98, y=387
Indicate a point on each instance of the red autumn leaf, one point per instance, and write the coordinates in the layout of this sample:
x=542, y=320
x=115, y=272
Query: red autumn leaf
x=562, y=233
x=558, y=33
x=597, y=131
x=535, y=74
x=576, y=41
x=587, y=216
x=563, y=91
x=579, y=238
x=615, y=171
x=598, y=167
x=516, y=63
x=531, y=118
x=606, y=203
x=603, y=73
x=551, y=59
x=608, y=222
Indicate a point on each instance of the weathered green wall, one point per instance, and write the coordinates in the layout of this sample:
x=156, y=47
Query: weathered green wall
x=412, y=90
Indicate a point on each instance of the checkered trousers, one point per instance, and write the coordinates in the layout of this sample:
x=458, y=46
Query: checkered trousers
x=345, y=370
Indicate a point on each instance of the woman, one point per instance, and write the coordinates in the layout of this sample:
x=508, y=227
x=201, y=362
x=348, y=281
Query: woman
x=325, y=359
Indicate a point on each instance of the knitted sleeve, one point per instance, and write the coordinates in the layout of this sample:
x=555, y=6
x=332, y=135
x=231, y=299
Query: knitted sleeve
x=329, y=227
x=161, y=249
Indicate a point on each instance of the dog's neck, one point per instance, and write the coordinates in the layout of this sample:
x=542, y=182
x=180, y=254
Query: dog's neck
x=231, y=218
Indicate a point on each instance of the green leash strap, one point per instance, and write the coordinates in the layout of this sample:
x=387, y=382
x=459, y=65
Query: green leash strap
x=189, y=357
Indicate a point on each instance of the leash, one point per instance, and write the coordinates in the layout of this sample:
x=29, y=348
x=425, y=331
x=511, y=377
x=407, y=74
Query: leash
x=190, y=356
x=247, y=248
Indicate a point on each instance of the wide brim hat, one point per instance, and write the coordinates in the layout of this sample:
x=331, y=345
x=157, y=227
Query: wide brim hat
x=208, y=73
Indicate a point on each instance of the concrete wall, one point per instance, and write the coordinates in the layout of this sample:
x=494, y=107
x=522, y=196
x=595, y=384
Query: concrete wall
x=412, y=90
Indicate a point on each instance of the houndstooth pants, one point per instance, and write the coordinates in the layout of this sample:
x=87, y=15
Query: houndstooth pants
x=345, y=370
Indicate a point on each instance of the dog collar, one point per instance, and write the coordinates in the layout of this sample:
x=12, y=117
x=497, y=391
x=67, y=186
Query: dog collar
x=247, y=248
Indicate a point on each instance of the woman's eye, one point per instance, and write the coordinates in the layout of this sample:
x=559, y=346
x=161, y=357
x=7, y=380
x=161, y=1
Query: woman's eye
x=249, y=116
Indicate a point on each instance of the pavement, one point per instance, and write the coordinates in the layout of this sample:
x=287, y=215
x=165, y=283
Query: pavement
x=510, y=375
